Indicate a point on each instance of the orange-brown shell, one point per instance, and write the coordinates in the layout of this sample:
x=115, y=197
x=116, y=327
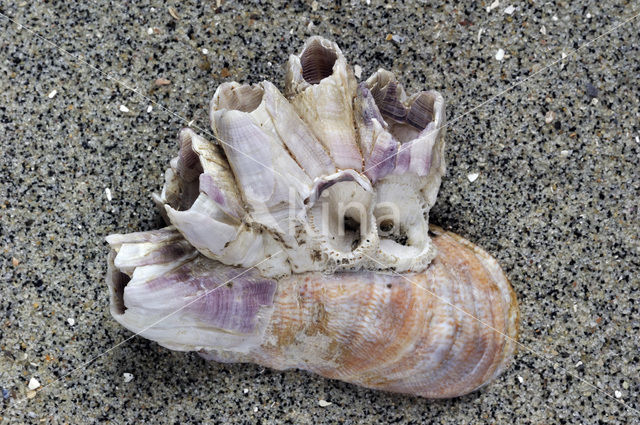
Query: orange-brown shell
x=441, y=333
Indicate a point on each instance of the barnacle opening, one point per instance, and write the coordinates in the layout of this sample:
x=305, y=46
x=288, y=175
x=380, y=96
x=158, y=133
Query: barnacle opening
x=182, y=185
x=317, y=61
x=117, y=281
x=244, y=98
x=402, y=227
x=406, y=117
x=420, y=113
x=120, y=282
x=421, y=110
x=187, y=185
x=342, y=214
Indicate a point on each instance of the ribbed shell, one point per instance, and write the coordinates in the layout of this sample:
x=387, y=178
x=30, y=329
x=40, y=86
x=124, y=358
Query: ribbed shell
x=440, y=333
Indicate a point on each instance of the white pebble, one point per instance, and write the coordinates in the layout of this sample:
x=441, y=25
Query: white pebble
x=565, y=152
x=564, y=55
x=543, y=30
x=500, y=54
x=71, y=321
x=107, y=191
x=520, y=379
x=123, y=108
x=509, y=10
x=480, y=31
x=357, y=70
x=554, y=18
x=618, y=394
x=493, y=6
x=52, y=94
x=245, y=391
x=575, y=308
x=549, y=116
x=128, y=377
x=578, y=364
x=637, y=139
x=149, y=31
x=472, y=177
x=149, y=108
x=255, y=409
x=324, y=403
x=33, y=384
x=588, y=15
x=205, y=51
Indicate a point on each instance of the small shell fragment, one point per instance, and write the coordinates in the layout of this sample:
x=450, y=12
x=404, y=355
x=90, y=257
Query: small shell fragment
x=500, y=54
x=549, y=117
x=33, y=384
x=174, y=13
x=357, y=71
x=162, y=82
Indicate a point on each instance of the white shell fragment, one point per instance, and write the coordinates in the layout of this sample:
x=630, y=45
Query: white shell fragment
x=299, y=237
x=33, y=384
